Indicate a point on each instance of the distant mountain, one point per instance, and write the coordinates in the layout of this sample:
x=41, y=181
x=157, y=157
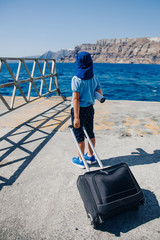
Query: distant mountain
x=124, y=50
x=36, y=56
x=58, y=56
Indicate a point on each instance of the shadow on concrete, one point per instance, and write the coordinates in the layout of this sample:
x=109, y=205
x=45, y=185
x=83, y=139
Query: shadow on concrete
x=133, y=218
x=136, y=158
x=28, y=139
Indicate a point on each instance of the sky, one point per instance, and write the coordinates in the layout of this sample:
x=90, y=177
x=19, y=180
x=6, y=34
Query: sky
x=33, y=27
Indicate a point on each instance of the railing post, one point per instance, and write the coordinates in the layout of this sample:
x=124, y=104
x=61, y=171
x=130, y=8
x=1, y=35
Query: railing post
x=1, y=63
x=15, y=87
x=30, y=84
x=54, y=67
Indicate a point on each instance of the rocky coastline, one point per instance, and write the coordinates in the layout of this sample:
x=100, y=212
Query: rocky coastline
x=124, y=50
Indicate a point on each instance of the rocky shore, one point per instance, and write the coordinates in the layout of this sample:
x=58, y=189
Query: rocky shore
x=125, y=50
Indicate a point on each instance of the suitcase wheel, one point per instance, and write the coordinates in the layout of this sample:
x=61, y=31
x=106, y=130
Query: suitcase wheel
x=93, y=221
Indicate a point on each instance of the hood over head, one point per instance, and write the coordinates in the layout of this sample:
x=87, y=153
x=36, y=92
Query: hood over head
x=84, y=66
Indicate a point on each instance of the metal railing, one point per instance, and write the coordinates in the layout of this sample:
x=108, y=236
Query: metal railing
x=46, y=81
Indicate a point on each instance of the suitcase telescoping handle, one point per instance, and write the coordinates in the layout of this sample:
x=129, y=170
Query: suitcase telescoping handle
x=82, y=156
x=95, y=153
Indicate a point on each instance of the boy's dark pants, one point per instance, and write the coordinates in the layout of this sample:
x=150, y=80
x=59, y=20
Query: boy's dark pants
x=86, y=116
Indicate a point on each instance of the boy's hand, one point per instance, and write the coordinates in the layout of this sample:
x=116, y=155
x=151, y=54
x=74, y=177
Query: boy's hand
x=76, y=123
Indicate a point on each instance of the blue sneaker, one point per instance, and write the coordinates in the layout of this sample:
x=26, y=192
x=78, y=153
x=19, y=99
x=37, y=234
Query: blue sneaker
x=78, y=162
x=90, y=160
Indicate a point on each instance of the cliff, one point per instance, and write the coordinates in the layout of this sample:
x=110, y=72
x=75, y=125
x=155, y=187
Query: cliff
x=126, y=50
x=57, y=55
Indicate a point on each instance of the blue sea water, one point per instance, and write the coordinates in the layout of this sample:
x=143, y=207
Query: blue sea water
x=119, y=81
x=140, y=82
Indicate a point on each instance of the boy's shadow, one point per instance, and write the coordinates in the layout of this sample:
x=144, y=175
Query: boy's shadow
x=133, y=219
x=136, y=158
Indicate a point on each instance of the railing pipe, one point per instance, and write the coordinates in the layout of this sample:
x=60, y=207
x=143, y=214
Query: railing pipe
x=52, y=76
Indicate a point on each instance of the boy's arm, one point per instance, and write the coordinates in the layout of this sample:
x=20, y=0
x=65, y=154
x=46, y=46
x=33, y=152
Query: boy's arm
x=100, y=91
x=76, y=107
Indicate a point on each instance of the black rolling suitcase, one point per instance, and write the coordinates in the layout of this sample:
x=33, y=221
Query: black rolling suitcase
x=109, y=191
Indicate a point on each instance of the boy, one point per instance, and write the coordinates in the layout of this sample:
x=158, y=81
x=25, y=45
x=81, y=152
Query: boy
x=84, y=85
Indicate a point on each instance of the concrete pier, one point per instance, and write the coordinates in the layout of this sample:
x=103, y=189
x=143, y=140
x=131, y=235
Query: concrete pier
x=38, y=194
